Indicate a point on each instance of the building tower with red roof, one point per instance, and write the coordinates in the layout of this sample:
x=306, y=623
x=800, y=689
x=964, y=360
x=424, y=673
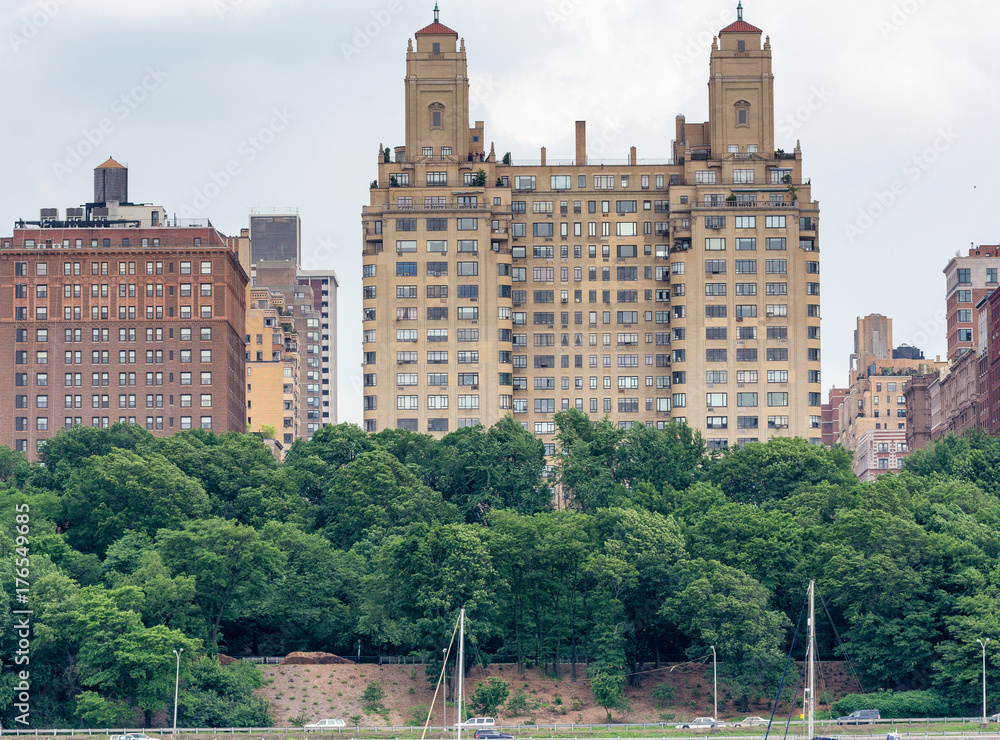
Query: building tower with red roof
x=741, y=89
x=437, y=96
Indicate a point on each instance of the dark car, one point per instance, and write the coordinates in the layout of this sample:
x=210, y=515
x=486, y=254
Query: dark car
x=492, y=734
x=860, y=717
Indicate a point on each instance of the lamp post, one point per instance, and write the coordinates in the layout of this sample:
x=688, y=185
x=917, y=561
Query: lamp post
x=715, y=682
x=444, y=691
x=983, y=645
x=177, y=683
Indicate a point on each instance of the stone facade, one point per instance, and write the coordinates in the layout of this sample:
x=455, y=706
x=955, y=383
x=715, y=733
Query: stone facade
x=684, y=288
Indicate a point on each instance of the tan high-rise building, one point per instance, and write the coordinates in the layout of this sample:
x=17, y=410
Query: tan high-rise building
x=272, y=362
x=873, y=416
x=684, y=288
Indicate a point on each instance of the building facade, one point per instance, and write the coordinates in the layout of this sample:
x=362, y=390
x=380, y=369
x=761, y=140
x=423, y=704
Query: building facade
x=106, y=324
x=276, y=237
x=682, y=289
x=308, y=305
x=272, y=369
x=874, y=413
x=968, y=280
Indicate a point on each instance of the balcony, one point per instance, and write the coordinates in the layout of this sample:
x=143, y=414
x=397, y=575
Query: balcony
x=435, y=207
x=738, y=204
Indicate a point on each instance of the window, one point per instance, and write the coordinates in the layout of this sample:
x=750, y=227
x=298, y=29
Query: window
x=964, y=276
x=965, y=296
x=715, y=245
x=524, y=182
x=776, y=243
x=777, y=399
x=717, y=400
x=716, y=355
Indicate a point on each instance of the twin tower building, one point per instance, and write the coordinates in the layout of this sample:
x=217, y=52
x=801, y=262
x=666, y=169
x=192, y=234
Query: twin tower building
x=683, y=289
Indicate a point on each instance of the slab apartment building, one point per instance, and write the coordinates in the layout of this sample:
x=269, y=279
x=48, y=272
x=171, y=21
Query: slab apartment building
x=682, y=289
x=112, y=314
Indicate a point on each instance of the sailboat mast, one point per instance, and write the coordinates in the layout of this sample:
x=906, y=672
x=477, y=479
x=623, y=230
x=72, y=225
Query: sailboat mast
x=812, y=659
x=461, y=668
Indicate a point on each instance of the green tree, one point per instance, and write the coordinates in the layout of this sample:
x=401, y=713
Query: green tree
x=62, y=455
x=234, y=569
x=377, y=491
x=715, y=604
x=760, y=472
x=223, y=696
x=122, y=491
x=488, y=697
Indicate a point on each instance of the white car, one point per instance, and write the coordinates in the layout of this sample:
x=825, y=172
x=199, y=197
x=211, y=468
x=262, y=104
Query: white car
x=325, y=724
x=477, y=723
x=751, y=722
x=699, y=722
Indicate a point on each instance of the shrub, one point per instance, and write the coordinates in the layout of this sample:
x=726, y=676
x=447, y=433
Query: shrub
x=372, y=696
x=487, y=697
x=517, y=706
x=895, y=704
x=418, y=715
x=662, y=696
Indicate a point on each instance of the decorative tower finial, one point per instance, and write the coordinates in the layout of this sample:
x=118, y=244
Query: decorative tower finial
x=437, y=14
x=739, y=10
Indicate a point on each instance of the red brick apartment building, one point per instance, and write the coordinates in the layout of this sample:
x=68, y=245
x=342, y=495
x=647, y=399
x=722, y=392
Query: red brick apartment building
x=111, y=321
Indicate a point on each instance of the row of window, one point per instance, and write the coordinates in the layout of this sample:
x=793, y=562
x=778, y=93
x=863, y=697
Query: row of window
x=125, y=290
x=433, y=379
x=622, y=207
x=437, y=224
x=103, y=379
x=437, y=269
x=720, y=400
x=436, y=402
x=103, y=335
x=746, y=354
x=105, y=268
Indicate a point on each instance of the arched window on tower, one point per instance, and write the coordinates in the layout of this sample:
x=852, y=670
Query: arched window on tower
x=437, y=115
x=743, y=114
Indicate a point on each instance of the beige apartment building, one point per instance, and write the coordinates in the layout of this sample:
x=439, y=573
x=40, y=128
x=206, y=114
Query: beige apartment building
x=272, y=367
x=684, y=288
x=873, y=416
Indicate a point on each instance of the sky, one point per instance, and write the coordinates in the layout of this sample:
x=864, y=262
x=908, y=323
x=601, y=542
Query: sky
x=219, y=107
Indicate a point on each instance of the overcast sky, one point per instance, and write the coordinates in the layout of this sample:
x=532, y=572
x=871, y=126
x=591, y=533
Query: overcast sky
x=893, y=101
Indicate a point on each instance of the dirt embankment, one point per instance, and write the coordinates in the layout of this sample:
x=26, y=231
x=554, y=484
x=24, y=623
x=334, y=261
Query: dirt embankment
x=318, y=691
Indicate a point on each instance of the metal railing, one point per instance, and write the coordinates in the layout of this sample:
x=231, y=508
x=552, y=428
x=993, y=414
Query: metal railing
x=353, y=730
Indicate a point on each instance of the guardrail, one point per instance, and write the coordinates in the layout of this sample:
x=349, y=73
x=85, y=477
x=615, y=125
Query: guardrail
x=828, y=724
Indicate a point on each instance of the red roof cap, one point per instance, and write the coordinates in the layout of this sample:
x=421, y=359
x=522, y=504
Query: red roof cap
x=740, y=26
x=436, y=29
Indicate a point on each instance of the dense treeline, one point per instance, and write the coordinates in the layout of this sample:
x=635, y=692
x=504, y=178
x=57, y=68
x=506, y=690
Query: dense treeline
x=140, y=546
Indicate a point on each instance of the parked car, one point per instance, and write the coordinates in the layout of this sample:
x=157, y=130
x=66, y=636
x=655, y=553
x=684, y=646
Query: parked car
x=325, y=724
x=699, y=722
x=860, y=717
x=993, y=718
x=478, y=722
x=492, y=735
x=751, y=722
